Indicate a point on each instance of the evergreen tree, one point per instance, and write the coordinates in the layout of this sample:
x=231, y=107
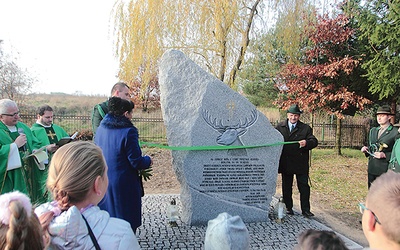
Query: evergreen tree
x=379, y=24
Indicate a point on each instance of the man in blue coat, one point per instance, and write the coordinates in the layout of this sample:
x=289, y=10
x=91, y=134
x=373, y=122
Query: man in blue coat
x=295, y=159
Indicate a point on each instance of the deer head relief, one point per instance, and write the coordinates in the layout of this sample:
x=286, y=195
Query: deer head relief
x=230, y=133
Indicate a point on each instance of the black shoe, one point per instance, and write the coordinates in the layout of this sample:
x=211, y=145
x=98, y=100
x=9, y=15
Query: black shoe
x=308, y=214
x=289, y=212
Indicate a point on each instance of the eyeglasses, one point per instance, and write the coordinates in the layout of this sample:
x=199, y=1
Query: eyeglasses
x=363, y=208
x=16, y=113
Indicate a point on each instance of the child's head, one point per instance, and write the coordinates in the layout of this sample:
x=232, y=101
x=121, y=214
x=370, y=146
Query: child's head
x=74, y=169
x=20, y=228
x=320, y=240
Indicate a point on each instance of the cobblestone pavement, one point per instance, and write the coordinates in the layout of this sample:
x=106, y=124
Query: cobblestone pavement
x=156, y=233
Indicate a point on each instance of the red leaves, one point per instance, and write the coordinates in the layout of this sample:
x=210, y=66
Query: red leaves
x=323, y=82
x=328, y=36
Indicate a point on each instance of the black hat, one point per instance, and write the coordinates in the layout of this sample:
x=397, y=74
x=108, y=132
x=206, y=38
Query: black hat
x=294, y=109
x=385, y=109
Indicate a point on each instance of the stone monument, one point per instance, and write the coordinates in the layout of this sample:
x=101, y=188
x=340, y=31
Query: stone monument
x=203, y=115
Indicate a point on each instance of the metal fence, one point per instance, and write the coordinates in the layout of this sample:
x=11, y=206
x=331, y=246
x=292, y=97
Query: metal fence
x=353, y=135
x=151, y=129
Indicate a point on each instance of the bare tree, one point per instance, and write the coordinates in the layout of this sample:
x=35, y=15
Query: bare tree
x=15, y=82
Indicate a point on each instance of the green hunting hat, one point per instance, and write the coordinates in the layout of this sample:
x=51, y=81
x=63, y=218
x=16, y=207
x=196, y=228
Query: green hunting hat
x=294, y=109
x=384, y=109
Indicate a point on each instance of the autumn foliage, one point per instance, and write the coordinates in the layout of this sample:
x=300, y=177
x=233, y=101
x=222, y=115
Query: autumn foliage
x=324, y=79
x=145, y=96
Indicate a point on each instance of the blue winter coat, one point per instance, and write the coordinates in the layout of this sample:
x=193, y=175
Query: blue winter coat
x=118, y=139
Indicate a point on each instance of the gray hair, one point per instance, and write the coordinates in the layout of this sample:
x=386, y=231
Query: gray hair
x=5, y=104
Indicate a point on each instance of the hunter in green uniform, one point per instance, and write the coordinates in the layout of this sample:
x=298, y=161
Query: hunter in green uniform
x=48, y=134
x=16, y=141
x=381, y=141
x=120, y=90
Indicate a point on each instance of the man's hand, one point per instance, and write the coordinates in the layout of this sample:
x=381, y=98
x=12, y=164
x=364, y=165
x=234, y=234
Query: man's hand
x=302, y=143
x=21, y=140
x=52, y=148
x=379, y=155
x=364, y=149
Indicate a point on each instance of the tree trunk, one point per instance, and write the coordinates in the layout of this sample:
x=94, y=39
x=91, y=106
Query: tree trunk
x=312, y=126
x=338, y=142
x=243, y=48
x=393, y=105
x=222, y=68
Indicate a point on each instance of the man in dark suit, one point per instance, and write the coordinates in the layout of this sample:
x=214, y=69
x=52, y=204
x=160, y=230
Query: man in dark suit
x=295, y=159
x=381, y=141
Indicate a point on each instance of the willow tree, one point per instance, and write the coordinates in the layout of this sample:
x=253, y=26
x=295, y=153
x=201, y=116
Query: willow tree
x=292, y=18
x=215, y=34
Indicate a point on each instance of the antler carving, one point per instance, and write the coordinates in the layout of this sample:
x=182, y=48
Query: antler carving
x=213, y=122
x=230, y=134
x=248, y=122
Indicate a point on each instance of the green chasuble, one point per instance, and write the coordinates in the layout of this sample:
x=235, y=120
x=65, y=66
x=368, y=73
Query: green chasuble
x=46, y=136
x=23, y=178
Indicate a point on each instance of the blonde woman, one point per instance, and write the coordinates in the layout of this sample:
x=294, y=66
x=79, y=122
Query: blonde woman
x=19, y=226
x=78, y=181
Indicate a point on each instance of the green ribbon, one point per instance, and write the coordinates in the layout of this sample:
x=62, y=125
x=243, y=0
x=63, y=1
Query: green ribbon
x=216, y=147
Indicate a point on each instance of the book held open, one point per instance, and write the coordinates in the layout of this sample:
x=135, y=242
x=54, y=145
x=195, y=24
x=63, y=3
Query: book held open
x=66, y=140
x=39, y=156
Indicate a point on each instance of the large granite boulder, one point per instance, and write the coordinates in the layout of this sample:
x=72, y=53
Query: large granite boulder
x=199, y=111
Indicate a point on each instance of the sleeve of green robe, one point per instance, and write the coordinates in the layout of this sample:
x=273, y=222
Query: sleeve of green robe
x=60, y=132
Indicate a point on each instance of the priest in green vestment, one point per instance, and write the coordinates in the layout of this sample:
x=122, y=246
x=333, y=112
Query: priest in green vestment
x=16, y=142
x=48, y=135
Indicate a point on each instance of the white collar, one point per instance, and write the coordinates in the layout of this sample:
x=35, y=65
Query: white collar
x=12, y=128
x=43, y=125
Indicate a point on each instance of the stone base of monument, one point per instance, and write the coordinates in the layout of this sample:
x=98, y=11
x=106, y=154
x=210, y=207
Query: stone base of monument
x=225, y=153
x=156, y=233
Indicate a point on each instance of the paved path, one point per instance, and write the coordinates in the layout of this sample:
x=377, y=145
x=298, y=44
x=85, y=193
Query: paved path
x=155, y=233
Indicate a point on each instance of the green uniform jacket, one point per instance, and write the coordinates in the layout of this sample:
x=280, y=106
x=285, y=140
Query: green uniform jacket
x=380, y=166
x=22, y=179
x=394, y=163
x=98, y=113
x=40, y=133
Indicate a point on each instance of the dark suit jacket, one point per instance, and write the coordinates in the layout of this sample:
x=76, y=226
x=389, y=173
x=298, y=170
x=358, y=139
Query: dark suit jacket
x=294, y=160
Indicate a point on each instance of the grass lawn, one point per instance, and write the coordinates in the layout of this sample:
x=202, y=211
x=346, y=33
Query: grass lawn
x=339, y=183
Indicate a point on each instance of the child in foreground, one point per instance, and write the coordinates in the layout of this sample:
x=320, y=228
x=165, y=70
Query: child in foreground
x=19, y=228
x=78, y=181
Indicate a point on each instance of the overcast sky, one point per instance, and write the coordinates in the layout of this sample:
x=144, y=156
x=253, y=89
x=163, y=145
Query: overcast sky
x=65, y=44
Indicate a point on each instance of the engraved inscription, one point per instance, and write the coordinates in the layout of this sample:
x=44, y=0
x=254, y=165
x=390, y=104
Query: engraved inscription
x=242, y=175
